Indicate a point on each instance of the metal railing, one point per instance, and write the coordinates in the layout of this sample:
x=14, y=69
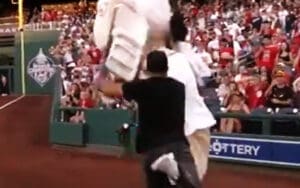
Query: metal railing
x=265, y=118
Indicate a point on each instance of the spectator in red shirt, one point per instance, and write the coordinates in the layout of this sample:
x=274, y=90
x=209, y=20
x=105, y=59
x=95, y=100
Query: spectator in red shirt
x=95, y=54
x=297, y=63
x=54, y=15
x=248, y=16
x=255, y=92
x=268, y=54
x=226, y=54
x=194, y=11
x=295, y=44
x=47, y=17
x=96, y=57
x=267, y=29
x=85, y=102
x=86, y=99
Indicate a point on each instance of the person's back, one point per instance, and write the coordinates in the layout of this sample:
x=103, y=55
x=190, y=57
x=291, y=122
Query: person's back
x=161, y=111
x=161, y=141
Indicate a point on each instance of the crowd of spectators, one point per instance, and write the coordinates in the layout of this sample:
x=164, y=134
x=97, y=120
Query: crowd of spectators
x=252, y=50
x=79, y=60
x=55, y=16
x=76, y=55
x=251, y=47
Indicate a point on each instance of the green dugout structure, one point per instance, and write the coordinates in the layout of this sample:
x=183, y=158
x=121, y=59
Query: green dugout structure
x=102, y=127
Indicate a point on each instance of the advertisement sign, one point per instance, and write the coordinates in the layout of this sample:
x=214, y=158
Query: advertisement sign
x=266, y=151
x=8, y=29
x=41, y=68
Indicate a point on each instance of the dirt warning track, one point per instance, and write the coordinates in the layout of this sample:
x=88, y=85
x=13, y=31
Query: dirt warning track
x=28, y=161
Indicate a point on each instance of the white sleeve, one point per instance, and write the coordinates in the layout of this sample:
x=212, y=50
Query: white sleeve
x=207, y=56
x=202, y=68
x=179, y=68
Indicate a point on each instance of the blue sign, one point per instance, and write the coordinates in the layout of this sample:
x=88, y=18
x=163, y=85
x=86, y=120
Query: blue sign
x=278, y=152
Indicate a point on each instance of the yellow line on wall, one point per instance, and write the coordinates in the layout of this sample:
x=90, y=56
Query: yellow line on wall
x=21, y=29
x=23, y=63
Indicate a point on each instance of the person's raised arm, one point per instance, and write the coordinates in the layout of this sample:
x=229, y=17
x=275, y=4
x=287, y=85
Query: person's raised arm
x=111, y=89
x=130, y=90
x=296, y=60
x=269, y=90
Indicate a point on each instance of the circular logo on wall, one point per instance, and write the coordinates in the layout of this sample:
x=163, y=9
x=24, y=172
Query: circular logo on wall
x=41, y=68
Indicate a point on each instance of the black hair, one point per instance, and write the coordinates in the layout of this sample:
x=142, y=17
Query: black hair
x=157, y=62
x=174, y=5
x=288, y=48
x=267, y=37
x=178, y=29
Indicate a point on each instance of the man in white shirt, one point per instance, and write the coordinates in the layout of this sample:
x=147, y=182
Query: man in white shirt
x=206, y=58
x=214, y=46
x=202, y=53
x=198, y=66
x=214, y=43
x=201, y=21
x=181, y=68
x=233, y=28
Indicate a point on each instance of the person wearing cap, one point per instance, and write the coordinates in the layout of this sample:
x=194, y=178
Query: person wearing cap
x=160, y=135
x=254, y=91
x=226, y=54
x=279, y=94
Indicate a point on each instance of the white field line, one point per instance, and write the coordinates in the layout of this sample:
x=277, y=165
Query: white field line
x=11, y=102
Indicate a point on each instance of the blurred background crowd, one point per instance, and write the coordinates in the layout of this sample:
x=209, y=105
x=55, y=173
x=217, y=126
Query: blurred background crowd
x=76, y=54
x=250, y=47
x=78, y=57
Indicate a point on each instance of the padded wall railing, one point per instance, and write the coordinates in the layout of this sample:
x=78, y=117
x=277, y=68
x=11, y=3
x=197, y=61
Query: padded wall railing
x=102, y=129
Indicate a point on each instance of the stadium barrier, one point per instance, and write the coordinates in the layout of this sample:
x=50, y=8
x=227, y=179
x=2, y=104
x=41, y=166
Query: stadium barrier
x=105, y=128
x=102, y=128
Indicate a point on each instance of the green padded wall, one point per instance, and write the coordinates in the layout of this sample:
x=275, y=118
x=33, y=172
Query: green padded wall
x=67, y=134
x=103, y=124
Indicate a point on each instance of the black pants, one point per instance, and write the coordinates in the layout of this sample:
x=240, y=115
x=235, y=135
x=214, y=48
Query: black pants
x=188, y=175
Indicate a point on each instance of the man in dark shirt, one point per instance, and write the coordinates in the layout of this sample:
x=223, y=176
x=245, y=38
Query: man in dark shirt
x=290, y=20
x=160, y=135
x=256, y=22
x=280, y=94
